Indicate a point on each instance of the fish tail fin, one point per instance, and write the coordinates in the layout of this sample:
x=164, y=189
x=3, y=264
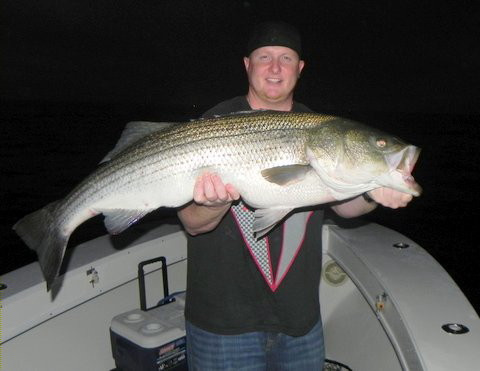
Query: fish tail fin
x=41, y=234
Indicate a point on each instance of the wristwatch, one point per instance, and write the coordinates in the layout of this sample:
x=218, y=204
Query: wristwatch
x=367, y=197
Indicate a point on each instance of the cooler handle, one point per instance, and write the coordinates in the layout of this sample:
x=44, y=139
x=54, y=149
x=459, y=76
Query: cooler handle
x=141, y=279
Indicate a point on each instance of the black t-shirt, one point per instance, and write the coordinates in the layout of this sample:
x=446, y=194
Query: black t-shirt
x=227, y=293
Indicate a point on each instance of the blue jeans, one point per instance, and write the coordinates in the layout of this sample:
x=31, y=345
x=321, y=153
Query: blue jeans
x=254, y=351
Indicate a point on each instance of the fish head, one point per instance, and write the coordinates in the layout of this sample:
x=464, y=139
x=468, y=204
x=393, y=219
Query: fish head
x=351, y=158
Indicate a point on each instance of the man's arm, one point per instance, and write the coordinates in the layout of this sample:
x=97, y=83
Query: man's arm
x=384, y=196
x=211, y=201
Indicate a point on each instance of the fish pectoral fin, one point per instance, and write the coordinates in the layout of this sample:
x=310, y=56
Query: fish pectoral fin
x=266, y=219
x=117, y=220
x=286, y=175
x=133, y=132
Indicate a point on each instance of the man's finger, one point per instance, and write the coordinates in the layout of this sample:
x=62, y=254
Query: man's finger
x=198, y=190
x=219, y=187
x=209, y=188
x=233, y=193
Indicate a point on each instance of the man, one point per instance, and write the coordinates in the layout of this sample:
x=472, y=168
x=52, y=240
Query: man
x=246, y=307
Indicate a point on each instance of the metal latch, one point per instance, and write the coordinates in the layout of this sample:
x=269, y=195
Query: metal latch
x=93, y=275
x=380, y=301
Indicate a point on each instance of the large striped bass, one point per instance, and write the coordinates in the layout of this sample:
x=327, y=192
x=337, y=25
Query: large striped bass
x=278, y=161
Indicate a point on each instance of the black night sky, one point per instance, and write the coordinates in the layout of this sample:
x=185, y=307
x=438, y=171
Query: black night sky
x=72, y=73
x=395, y=56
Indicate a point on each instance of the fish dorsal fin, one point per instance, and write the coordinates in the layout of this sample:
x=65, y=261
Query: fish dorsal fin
x=117, y=220
x=266, y=219
x=286, y=175
x=134, y=131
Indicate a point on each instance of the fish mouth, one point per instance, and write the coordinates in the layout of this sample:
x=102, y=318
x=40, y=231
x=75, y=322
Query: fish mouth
x=402, y=164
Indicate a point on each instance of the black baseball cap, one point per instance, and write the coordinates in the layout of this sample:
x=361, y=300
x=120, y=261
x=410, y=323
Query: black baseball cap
x=274, y=34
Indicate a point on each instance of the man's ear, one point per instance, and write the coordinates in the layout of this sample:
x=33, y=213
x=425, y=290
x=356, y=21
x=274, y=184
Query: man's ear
x=246, y=62
x=301, y=64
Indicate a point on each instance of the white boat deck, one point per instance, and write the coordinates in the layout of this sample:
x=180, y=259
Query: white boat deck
x=417, y=295
x=385, y=313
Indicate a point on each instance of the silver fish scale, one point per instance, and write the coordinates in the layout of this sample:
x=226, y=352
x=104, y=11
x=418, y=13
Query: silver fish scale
x=227, y=127
x=255, y=141
x=255, y=150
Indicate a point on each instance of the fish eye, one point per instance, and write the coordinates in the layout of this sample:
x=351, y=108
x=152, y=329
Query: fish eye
x=381, y=142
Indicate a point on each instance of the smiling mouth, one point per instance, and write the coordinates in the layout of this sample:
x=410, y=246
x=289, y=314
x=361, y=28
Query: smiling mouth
x=274, y=80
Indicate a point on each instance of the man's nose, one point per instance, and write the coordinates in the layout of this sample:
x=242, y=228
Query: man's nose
x=275, y=66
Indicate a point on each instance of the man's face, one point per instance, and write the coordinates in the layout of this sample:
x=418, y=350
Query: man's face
x=273, y=72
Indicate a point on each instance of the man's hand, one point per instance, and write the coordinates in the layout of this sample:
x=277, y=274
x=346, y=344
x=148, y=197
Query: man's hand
x=212, y=199
x=382, y=196
x=209, y=190
x=390, y=198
